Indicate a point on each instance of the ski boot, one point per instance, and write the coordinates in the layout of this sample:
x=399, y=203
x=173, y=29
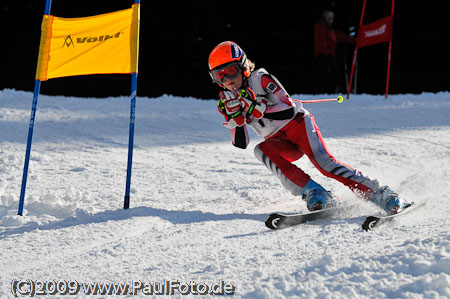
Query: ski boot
x=390, y=201
x=316, y=196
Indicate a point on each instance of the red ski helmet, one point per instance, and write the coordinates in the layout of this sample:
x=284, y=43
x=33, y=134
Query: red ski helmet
x=224, y=54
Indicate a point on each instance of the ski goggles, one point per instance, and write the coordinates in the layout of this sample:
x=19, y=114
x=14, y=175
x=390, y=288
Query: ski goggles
x=230, y=71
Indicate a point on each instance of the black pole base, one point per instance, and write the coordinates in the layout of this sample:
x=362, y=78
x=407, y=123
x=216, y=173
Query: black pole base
x=126, y=202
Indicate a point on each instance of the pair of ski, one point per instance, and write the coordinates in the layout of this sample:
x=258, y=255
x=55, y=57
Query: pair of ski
x=278, y=221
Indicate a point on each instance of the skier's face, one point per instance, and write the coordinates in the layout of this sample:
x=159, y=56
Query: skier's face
x=235, y=83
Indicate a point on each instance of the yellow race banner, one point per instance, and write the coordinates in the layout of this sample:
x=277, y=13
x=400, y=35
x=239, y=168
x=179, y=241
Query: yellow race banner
x=102, y=44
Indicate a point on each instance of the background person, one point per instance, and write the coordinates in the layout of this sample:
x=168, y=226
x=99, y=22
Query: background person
x=328, y=74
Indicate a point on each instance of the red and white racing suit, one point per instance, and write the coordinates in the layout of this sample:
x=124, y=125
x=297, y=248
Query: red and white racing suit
x=290, y=132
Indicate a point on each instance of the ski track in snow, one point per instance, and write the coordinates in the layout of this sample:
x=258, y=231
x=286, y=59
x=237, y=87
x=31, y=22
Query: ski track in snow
x=198, y=204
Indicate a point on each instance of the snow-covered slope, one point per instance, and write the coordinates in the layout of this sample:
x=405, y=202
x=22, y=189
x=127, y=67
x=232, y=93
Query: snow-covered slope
x=198, y=204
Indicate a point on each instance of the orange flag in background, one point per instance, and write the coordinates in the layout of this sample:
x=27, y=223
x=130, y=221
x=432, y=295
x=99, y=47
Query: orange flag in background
x=374, y=33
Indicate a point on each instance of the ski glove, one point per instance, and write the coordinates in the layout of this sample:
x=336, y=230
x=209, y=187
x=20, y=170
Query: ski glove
x=252, y=108
x=230, y=104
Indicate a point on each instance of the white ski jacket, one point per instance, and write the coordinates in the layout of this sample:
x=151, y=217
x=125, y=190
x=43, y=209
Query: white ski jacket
x=279, y=112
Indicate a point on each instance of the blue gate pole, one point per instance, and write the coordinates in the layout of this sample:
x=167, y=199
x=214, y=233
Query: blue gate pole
x=37, y=88
x=126, y=203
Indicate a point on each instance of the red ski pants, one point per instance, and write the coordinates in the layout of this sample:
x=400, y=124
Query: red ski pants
x=302, y=137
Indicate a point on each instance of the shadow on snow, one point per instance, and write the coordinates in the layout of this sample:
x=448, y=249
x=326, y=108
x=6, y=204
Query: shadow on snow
x=174, y=217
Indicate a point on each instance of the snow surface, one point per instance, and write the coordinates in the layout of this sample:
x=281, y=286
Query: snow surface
x=198, y=204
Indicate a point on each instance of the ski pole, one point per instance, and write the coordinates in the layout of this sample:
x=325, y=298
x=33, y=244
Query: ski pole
x=339, y=99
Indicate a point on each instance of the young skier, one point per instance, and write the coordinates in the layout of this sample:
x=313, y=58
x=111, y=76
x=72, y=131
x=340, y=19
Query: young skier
x=252, y=97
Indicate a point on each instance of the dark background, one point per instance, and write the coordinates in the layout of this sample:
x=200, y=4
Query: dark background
x=177, y=37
